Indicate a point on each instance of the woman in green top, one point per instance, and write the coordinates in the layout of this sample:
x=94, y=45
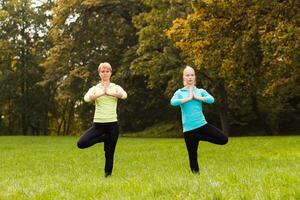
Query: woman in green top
x=105, y=124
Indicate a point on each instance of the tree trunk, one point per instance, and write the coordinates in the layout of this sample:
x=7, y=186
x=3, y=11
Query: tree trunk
x=263, y=122
x=70, y=118
x=24, y=89
x=223, y=109
x=224, y=122
x=45, y=123
x=10, y=117
x=62, y=122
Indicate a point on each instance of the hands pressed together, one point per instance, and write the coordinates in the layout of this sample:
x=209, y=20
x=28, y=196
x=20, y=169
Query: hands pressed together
x=105, y=92
x=191, y=97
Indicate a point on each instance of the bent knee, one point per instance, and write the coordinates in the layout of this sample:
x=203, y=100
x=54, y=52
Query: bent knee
x=80, y=145
x=225, y=140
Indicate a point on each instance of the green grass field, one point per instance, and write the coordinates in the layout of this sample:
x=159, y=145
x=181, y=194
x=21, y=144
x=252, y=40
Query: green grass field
x=245, y=168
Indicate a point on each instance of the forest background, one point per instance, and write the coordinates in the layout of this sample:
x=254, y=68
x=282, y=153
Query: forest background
x=246, y=54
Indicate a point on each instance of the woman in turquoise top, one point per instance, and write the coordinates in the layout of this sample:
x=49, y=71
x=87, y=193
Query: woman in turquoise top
x=105, y=128
x=195, y=127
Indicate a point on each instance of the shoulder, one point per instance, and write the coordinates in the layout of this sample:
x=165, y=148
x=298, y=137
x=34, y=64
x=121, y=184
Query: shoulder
x=201, y=90
x=115, y=85
x=179, y=91
x=93, y=87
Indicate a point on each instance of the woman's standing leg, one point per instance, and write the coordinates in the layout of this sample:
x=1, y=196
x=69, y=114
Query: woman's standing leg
x=192, y=147
x=211, y=134
x=91, y=136
x=110, y=146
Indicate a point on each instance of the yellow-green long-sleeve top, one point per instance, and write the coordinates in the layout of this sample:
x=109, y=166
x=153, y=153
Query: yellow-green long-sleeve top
x=105, y=106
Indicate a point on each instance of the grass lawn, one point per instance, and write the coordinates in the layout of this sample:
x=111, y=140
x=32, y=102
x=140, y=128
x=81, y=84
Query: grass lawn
x=245, y=168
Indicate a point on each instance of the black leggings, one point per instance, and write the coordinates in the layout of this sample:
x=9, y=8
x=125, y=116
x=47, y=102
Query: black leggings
x=204, y=133
x=102, y=132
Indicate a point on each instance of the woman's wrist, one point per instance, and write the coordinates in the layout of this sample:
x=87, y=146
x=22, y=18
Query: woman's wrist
x=93, y=97
x=199, y=98
x=117, y=95
x=186, y=100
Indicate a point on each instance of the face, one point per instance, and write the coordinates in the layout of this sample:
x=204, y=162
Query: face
x=105, y=74
x=189, y=76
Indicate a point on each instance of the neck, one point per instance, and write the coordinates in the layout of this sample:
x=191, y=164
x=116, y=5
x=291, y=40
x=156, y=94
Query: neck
x=107, y=82
x=189, y=87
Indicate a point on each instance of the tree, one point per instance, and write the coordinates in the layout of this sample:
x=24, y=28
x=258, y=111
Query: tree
x=157, y=62
x=85, y=33
x=226, y=40
x=23, y=35
x=205, y=37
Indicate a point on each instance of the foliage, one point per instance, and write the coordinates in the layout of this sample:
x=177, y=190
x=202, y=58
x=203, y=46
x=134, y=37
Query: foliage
x=85, y=33
x=246, y=54
x=23, y=41
x=243, y=51
x=159, y=130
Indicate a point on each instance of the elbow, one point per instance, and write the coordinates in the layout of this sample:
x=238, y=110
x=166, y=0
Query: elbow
x=86, y=98
x=124, y=96
x=209, y=100
x=173, y=103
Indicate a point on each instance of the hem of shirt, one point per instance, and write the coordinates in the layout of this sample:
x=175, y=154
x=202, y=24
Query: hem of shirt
x=193, y=128
x=105, y=120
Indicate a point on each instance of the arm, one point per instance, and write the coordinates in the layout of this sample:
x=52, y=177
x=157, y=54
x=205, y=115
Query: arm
x=178, y=100
x=205, y=97
x=91, y=96
x=120, y=93
x=87, y=95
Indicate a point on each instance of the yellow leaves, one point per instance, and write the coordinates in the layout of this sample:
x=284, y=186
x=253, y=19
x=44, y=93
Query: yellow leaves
x=199, y=45
x=276, y=85
x=62, y=10
x=206, y=25
x=198, y=60
x=227, y=67
x=91, y=3
x=33, y=51
x=14, y=63
x=98, y=2
x=3, y=45
x=175, y=30
x=78, y=72
x=3, y=15
x=187, y=38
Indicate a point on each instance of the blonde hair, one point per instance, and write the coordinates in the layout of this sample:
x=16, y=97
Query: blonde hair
x=187, y=68
x=105, y=65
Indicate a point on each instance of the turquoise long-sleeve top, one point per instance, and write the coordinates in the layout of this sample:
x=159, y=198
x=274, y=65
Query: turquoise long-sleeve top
x=191, y=112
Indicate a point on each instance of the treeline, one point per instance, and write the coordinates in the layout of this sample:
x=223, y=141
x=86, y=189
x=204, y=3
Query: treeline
x=246, y=54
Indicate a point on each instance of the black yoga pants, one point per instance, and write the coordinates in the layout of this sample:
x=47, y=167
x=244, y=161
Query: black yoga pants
x=207, y=133
x=102, y=132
